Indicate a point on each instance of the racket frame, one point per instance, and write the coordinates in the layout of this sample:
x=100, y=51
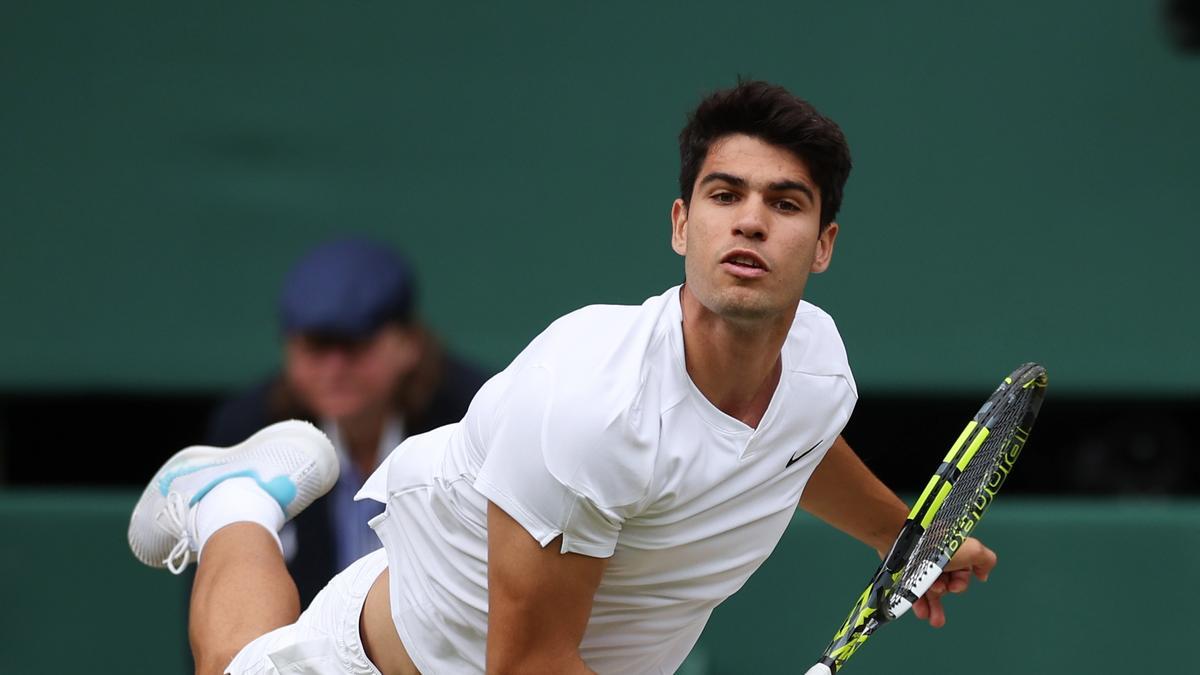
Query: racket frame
x=880, y=602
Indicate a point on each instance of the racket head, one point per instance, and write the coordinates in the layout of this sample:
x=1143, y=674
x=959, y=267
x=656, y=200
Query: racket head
x=969, y=478
x=978, y=464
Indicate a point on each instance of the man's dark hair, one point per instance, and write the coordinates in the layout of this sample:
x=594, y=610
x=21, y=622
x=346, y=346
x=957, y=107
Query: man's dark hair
x=770, y=113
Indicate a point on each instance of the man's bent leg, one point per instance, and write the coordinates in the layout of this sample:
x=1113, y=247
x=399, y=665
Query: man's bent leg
x=242, y=590
x=225, y=506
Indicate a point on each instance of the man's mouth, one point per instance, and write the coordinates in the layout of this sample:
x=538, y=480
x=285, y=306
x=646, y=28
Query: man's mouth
x=744, y=259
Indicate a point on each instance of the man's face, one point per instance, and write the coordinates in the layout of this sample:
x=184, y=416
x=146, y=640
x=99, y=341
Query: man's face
x=341, y=379
x=751, y=235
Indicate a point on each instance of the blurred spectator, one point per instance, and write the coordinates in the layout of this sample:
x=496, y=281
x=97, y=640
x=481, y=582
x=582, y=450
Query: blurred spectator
x=358, y=364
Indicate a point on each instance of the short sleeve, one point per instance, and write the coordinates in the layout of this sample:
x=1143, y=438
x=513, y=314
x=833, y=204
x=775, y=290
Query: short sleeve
x=516, y=477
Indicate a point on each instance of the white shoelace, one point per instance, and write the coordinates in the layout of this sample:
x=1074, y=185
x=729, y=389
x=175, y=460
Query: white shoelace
x=176, y=513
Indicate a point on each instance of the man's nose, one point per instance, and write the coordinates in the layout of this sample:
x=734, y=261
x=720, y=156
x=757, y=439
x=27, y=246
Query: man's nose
x=751, y=220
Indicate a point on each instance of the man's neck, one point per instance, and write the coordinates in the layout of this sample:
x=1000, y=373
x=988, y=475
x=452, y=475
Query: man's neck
x=735, y=365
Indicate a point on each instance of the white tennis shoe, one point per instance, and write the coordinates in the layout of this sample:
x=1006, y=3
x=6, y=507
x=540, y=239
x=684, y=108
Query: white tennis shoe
x=291, y=461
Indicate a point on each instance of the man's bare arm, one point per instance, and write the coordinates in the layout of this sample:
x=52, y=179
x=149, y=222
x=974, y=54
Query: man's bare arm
x=844, y=493
x=539, y=601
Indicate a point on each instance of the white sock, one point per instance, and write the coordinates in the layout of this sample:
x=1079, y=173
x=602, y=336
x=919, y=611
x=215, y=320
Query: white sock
x=236, y=500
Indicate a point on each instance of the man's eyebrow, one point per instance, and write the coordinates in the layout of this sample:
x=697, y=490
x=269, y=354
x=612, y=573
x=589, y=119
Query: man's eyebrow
x=793, y=185
x=726, y=177
x=779, y=186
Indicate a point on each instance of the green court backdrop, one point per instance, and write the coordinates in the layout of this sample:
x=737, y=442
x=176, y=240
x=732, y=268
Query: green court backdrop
x=1081, y=587
x=1024, y=189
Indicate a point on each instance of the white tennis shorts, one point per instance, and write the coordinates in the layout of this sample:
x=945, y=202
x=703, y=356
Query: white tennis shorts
x=325, y=639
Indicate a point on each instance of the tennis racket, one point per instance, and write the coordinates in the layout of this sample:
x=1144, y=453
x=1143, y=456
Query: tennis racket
x=949, y=509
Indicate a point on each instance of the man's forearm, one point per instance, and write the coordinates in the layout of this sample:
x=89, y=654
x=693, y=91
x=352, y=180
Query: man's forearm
x=844, y=493
x=573, y=665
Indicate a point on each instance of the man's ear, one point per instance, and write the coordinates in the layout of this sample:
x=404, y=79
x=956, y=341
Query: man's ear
x=679, y=216
x=824, y=252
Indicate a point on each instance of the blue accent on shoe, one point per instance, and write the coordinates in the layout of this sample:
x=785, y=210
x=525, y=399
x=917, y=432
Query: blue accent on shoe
x=164, y=483
x=281, y=488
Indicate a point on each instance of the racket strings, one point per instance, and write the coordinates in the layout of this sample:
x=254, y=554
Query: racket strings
x=968, y=487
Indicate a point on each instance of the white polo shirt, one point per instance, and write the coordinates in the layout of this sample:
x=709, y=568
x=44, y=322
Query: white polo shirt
x=596, y=433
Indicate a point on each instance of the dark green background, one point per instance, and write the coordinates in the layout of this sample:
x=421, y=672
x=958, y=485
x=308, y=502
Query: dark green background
x=1076, y=591
x=1025, y=186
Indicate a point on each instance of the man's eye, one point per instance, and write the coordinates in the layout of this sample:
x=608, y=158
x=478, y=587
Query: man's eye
x=724, y=197
x=786, y=205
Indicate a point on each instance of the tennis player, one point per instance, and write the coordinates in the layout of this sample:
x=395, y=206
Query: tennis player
x=624, y=475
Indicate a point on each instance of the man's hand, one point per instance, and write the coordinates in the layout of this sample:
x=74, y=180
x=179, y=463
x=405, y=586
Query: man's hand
x=972, y=558
x=845, y=494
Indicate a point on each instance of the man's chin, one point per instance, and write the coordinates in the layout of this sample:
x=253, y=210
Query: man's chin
x=747, y=304
x=743, y=305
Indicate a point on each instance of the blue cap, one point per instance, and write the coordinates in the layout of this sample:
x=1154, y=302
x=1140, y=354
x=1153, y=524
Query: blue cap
x=347, y=288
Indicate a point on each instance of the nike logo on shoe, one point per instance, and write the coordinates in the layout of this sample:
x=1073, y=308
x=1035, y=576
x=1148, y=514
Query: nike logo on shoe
x=797, y=457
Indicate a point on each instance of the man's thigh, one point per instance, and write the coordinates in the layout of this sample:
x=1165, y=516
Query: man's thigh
x=325, y=639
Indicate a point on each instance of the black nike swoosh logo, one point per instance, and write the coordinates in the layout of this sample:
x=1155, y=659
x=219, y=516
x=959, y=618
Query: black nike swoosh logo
x=797, y=458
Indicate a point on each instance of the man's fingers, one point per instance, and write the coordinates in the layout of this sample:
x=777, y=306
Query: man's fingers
x=973, y=558
x=984, y=562
x=929, y=608
x=982, y=572
x=958, y=581
x=937, y=615
x=921, y=608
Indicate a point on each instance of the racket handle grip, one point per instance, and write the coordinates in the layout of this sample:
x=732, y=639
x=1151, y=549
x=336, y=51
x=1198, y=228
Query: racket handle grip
x=819, y=669
x=899, y=605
